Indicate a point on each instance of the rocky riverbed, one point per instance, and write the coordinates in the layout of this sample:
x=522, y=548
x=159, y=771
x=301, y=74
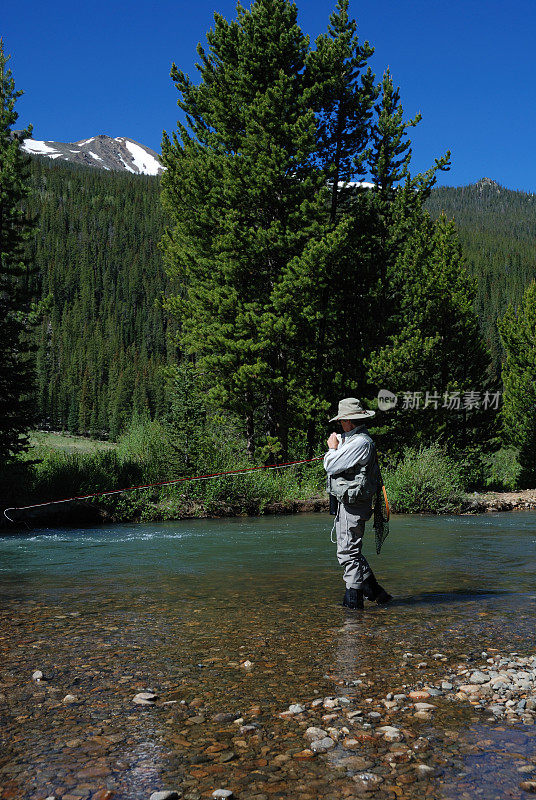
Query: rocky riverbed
x=216, y=658
x=112, y=720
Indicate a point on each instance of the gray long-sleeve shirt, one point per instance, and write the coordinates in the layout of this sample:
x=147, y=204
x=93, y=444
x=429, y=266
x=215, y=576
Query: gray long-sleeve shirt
x=352, y=450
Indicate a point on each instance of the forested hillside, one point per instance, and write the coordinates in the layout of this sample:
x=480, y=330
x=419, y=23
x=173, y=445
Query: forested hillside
x=102, y=341
x=497, y=230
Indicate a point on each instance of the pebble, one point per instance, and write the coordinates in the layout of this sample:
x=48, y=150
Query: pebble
x=479, y=677
x=424, y=769
x=225, y=717
x=222, y=794
x=145, y=698
x=69, y=699
x=424, y=707
x=423, y=715
x=390, y=733
x=528, y=786
x=295, y=708
x=165, y=795
x=37, y=676
x=304, y=754
x=331, y=703
x=313, y=734
x=367, y=781
x=322, y=745
x=419, y=695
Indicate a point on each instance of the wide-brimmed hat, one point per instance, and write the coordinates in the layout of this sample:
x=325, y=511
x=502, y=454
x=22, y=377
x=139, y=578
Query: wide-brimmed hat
x=351, y=408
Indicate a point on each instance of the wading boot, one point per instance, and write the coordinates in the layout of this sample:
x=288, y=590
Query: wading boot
x=374, y=592
x=353, y=598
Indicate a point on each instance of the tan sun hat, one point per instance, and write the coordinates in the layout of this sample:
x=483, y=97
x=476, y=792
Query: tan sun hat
x=351, y=408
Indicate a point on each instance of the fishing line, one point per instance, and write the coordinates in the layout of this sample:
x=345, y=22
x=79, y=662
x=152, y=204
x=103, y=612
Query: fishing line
x=160, y=483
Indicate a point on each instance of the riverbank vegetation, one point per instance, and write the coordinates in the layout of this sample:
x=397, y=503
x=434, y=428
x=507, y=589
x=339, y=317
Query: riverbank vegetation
x=420, y=480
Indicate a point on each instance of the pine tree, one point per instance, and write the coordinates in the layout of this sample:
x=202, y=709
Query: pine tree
x=342, y=94
x=435, y=348
x=518, y=335
x=397, y=197
x=16, y=375
x=246, y=200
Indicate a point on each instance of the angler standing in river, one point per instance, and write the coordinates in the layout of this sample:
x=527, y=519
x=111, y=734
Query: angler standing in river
x=353, y=477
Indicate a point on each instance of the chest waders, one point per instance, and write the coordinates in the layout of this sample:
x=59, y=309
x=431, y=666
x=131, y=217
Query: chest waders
x=349, y=494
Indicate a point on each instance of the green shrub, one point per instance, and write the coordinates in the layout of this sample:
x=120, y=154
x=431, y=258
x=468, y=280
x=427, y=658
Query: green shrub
x=151, y=445
x=502, y=469
x=425, y=480
x=59, y=473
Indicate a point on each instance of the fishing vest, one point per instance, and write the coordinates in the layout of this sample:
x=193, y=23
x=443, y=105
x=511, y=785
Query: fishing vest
x=358, y=484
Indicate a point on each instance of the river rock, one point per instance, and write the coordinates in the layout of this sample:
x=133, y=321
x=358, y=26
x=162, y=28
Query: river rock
x=222, y=794
x=69, y=699
x=390, y=733
x=469, y=688
x=165, y=795
x=145, y=698
x=528, y=786
x=419, y=695
x=367, y=781
x=424, y=769
x=313, y=734
x=304, y=755
x=295, y=708
x=322, y=745
x=330, y=703
x=424, y=707
x=37, y=676
x=225, y=716
x=425, y=716
x=479, y=677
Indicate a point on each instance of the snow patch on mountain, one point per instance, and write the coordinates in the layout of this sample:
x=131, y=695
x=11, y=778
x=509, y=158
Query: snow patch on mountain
x=41, y=148
x=144, y=161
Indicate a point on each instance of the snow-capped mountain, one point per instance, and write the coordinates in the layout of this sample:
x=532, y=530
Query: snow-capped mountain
x=101, y=151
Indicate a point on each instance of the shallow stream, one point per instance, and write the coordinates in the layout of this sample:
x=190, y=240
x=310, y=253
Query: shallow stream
x=180, y=609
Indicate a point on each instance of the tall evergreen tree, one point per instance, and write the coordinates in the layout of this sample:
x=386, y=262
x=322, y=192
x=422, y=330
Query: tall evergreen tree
x=342, y=92
x=16, y=374
x=246, y=199
x=435, y=359
x=518, y=334
x=274, y=133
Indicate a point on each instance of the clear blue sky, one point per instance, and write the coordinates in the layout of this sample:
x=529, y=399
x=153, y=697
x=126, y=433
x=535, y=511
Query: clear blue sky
x=467, y=65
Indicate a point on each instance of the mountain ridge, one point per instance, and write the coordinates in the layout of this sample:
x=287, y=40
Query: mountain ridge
x=119, y=154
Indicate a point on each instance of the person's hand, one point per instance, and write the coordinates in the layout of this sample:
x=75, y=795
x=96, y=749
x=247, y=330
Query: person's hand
x=333, y=442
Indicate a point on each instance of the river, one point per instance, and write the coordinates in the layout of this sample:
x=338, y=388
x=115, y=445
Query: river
x=242, y=617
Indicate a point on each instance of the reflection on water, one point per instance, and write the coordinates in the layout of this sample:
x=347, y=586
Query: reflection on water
x=179, y=607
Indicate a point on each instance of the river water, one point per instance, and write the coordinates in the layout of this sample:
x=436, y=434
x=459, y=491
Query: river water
x=243, y=617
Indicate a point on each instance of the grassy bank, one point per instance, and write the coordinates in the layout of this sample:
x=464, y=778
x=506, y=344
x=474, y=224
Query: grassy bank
x=58, y=466
x=425, y=480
